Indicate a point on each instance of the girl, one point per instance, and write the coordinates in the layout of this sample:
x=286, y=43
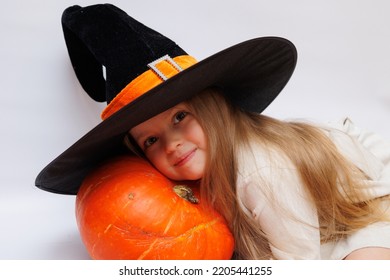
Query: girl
x=288, y=190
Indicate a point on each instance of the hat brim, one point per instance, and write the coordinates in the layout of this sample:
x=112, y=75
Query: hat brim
x=251, y=75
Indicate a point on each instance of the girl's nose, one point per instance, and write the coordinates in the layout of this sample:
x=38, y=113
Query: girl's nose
x=172, y=142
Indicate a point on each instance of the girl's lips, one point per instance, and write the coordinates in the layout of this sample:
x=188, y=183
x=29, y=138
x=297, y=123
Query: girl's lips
x=185, y=158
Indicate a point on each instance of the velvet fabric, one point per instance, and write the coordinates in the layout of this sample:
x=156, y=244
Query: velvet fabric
x=251, y=74
x=104, y=35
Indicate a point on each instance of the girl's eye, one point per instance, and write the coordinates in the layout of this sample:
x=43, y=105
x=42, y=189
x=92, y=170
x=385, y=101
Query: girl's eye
x=179, y=117
x=150, y=141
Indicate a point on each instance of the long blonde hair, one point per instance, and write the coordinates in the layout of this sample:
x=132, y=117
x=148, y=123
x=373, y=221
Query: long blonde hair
x=330, y=180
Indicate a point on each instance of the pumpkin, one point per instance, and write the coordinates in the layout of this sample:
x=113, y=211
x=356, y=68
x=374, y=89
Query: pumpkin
x=126, y=209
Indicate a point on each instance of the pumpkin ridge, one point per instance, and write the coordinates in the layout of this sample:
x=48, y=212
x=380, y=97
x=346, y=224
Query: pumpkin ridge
x=188, y=232
x=142, y=256
x=169, y=223
x=140, y=231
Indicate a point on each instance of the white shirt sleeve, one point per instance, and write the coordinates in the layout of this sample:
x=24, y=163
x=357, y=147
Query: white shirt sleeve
x=368, y=151
x=276, y=199
x=375, y=143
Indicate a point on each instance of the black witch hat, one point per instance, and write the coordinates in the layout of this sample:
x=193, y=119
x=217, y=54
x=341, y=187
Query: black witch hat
x=141, y=73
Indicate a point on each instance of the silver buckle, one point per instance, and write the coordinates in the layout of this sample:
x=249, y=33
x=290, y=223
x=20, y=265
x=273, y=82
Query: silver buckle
x=168, y=59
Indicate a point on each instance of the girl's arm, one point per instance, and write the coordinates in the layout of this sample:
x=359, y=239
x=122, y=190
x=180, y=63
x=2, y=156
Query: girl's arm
x=370, y=253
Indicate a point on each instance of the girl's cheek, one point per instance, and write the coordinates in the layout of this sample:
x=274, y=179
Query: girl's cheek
x=154, y=155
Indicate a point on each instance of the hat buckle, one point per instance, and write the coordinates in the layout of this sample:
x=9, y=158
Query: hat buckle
x=153, y=66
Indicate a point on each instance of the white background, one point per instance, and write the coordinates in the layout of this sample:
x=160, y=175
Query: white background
x=343, y=70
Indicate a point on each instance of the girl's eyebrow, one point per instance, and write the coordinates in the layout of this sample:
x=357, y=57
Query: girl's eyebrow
x=138, y=136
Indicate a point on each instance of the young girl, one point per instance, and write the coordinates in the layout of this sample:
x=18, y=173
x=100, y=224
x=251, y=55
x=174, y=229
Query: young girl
x=288, y=190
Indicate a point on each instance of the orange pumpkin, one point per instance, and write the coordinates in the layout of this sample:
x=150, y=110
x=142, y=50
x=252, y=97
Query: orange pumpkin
x=126, y=209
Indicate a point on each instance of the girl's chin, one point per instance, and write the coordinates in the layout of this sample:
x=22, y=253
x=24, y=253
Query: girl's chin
x=193, y=177
x=188, y=177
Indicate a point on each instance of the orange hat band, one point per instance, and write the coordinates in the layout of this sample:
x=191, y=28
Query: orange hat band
x=161, y=70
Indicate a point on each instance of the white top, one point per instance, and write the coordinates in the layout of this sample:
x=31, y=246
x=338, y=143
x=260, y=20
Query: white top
x=291, y=222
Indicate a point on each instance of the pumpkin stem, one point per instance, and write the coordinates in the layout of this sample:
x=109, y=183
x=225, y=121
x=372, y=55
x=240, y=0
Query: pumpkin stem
x=186, y=193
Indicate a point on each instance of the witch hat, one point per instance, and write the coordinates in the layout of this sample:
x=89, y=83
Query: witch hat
x=141, y=73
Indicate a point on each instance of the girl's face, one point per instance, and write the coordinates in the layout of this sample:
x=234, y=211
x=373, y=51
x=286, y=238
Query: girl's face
x=174, y=142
